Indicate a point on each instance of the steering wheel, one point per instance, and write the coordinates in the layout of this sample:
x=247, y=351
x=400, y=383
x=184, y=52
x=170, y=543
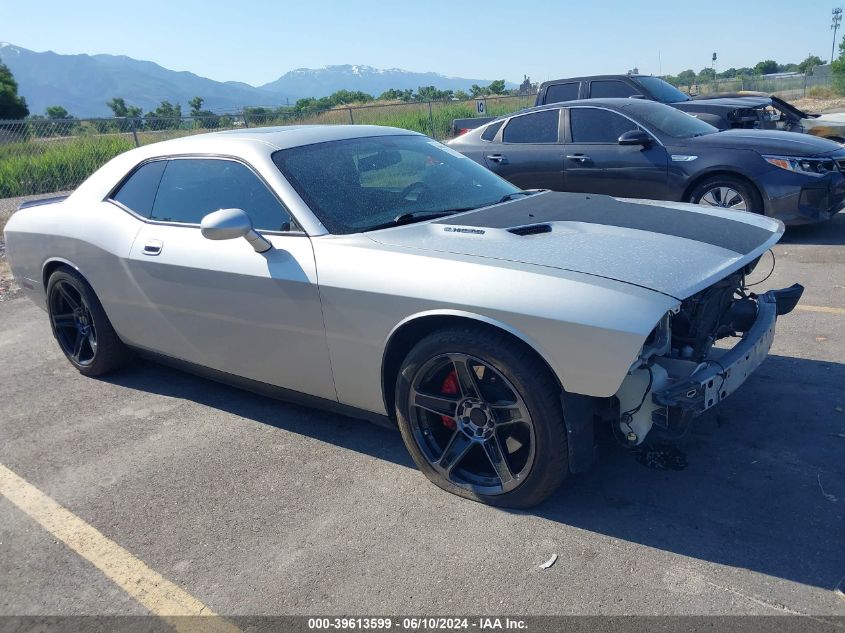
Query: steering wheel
x=414, y=186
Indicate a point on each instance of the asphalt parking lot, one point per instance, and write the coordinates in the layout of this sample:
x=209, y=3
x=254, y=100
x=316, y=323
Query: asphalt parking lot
x=253, y=506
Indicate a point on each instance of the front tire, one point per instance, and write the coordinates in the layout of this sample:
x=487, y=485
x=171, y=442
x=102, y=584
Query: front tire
x=80, y=325
x=481, y=417
x=727, y=192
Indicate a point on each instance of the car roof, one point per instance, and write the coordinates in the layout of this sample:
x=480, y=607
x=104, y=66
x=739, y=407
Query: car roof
x=277, y=137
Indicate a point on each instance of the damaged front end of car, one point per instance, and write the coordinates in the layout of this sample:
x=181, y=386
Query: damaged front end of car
x=687, y=365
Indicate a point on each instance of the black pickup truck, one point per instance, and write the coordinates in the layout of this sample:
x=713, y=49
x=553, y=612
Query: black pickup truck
x=722, y=112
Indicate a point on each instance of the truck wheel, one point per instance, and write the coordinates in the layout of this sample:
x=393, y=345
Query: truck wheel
x=481, y=417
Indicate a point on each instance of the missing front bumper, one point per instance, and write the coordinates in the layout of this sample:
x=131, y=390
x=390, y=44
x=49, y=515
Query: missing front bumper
x=726, y=369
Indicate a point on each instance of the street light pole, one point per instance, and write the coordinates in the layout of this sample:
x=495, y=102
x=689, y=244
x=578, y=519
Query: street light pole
x=835, y=20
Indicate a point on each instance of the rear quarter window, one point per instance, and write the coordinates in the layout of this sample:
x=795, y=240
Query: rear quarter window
x=490, y=132
x=137, y=193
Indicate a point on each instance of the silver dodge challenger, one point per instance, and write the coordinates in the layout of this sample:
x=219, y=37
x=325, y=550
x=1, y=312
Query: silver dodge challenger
x=377, y=272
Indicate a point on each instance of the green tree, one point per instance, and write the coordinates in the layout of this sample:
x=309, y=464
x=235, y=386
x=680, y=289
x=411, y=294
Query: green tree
x=809, y=63
x=196, y=105
x=119, y=108
x=431, y=93
x=461, y=95
x=12, y=106
x=706, y=75
x=165, y=117
x=766, y=67
x=397, y=95
x=476, y=91
x=686, y=77
x=730, y=73
x=497, y=87
x=57, y=112
x=837, y=69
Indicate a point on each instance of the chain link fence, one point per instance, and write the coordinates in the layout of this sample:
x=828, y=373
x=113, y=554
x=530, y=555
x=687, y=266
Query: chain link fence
x=40, y=156
x=792, y=87
x=43, y=155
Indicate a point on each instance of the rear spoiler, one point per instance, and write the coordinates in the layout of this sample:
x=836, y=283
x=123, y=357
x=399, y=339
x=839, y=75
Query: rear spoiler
x=39, y=201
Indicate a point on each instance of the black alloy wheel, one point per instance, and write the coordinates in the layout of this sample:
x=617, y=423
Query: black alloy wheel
x=480, y=414
x=80, y=325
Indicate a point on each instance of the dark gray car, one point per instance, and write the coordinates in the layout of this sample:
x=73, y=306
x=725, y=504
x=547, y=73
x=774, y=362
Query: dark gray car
x=643, y=149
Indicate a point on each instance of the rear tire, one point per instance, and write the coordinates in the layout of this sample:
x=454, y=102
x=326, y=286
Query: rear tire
x=80, y=325
x=727, y=192
x=493, y=428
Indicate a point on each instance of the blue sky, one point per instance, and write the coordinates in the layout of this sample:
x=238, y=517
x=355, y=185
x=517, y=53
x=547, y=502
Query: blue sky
x=259, y=40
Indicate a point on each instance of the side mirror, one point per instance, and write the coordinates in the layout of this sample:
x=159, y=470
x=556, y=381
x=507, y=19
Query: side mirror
x=635, y=137
x=228, y=224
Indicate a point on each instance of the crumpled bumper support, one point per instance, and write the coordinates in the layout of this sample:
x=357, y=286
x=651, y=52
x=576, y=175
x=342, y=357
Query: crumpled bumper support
x=725, y=370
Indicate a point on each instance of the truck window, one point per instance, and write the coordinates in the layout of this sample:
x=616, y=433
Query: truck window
x=562, y=92
x=537, y=127
x=610, y=88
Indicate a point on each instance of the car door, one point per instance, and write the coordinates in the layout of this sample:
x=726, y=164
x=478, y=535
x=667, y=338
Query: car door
x=596, y=163
x=220, y=304
x=528, y=152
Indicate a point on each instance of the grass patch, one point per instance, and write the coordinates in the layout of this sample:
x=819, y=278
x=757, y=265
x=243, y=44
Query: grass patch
x=48, y=165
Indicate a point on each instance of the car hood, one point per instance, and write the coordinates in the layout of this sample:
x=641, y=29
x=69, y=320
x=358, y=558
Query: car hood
x=673, y=248
x=766, y=142
x=702, y=104
x=835, y=118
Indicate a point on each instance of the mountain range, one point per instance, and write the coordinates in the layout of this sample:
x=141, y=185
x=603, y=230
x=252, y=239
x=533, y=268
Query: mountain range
x=82, y=84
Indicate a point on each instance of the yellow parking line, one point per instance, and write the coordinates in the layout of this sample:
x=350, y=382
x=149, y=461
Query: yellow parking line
x=151, y=589
x=820, y=309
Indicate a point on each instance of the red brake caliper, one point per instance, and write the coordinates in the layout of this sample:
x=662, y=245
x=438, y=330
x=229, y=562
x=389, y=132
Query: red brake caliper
x=450, y=387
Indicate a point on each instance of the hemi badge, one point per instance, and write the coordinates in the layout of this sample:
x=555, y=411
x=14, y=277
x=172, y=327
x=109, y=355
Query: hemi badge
x=460, y=229
x=683, y=158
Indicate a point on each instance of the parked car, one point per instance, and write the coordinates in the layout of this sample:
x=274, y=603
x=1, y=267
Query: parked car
x=642, y=149
x=791, y=119
x=746, y=112
x=379, y=273
x=722, y=111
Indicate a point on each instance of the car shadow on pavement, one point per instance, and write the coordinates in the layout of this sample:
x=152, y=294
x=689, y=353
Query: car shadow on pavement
x=764, y=488
x=333, y=428
x=830, y=233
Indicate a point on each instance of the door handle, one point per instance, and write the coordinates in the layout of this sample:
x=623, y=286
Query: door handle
x=152, y=247
x=498, y=158
x=583, y=158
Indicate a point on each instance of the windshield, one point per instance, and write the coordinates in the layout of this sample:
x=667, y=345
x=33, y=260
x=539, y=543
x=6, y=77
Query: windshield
x=359, y=184
x=666, y=120
x=662, y=91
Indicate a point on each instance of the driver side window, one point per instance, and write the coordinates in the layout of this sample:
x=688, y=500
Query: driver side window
x=191, y=188
x=595, y=125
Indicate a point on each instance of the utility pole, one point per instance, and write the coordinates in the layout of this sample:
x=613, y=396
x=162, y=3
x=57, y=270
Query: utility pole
x=835, y=20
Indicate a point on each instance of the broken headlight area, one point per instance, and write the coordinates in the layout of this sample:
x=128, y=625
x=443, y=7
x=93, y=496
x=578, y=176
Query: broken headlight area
x=688, y=366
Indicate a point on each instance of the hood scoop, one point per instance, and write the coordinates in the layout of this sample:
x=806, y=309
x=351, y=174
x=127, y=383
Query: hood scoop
x=531, y=229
